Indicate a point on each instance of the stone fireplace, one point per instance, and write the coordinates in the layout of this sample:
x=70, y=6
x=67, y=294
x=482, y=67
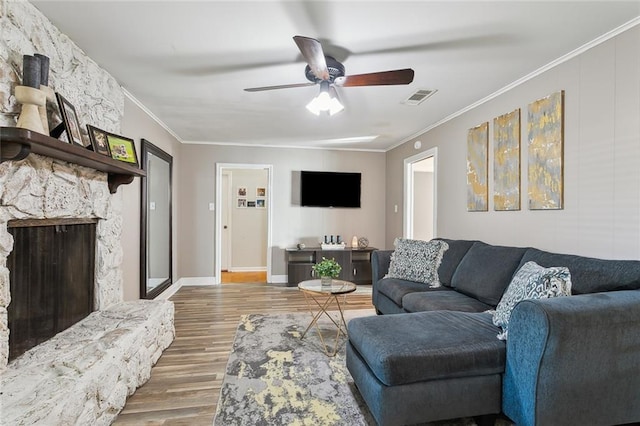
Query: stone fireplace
x=83, y=374
x=43, y=188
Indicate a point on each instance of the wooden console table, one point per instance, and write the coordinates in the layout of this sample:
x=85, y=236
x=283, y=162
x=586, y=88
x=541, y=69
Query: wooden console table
x=356, y=263
x=16, y=144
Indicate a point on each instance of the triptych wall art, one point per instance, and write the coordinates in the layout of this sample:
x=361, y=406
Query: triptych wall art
x=545, y=139
x=477, y=168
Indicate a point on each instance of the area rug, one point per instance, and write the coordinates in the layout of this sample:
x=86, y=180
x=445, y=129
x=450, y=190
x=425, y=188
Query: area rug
x=274, y=378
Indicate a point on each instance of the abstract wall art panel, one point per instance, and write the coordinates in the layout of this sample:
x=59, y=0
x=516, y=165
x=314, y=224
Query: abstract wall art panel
x=546, y=133
x=506, y=161
x=477, y=168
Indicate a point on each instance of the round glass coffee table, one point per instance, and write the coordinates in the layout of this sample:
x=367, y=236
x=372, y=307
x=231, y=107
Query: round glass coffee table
x=322, y=297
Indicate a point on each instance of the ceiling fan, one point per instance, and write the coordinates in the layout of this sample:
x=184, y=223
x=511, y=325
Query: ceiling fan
x=328, y=72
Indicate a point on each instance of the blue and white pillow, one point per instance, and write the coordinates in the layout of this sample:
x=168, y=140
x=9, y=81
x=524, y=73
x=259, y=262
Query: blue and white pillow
x=416, y=260
x=532, y=281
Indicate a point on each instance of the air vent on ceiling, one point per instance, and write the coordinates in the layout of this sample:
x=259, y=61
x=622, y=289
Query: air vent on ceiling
x=419, y=96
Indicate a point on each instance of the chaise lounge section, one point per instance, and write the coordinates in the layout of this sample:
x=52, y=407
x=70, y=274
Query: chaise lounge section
x=567, y=360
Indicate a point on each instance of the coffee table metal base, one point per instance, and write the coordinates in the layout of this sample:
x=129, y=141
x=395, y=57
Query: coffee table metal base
x=319, y=301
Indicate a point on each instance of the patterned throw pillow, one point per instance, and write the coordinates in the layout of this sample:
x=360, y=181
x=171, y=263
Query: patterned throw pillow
x=532, y=281
x=416, y=260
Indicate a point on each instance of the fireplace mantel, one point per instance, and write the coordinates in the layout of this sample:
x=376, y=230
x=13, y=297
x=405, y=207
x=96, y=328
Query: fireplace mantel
x=16, y=144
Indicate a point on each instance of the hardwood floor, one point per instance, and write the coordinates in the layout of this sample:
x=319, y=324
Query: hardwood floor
x=243, y=277
x=185, y=383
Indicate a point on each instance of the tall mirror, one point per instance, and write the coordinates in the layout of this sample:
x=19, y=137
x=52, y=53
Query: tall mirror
x=155, y=227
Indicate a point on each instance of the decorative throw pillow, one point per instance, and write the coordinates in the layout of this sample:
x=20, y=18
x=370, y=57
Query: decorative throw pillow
x=416, y=260
x=532, y=281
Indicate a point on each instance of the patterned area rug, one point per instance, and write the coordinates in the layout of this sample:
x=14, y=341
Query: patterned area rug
x=274, y=378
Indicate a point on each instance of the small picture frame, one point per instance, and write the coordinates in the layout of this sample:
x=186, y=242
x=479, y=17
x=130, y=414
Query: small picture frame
x=261, y=192
x=98, y=138
x=70, y=120
x=242, y=203
x=251, y=203
x=242, y=191
x=261, y=203
x=122, y=149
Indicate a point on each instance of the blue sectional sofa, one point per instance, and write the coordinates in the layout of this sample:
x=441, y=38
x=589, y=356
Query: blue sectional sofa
x=567, y=360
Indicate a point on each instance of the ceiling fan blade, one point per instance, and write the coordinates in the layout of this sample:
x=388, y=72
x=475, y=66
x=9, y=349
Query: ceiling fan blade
x=282, y=86
x=312, y=51
x=383, y=78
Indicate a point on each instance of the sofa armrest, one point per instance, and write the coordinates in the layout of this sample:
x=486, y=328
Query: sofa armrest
x=574, y=360
x=380, y=260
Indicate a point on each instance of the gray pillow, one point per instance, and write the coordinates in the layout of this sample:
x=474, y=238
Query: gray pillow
x=531, y=281
x=416, y=260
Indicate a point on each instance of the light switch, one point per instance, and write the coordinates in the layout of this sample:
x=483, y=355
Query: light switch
x=152, y=205
x=395, y=208
x=212, y=206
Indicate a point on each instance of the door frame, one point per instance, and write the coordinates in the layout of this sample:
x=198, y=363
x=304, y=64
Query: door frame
x=226, y=209
x=220, y=167
x=407, y=230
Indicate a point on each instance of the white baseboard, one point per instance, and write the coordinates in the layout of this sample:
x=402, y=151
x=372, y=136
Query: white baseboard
x=198, y=281
x=169, y=291
x=278, y=279
x=248, y=269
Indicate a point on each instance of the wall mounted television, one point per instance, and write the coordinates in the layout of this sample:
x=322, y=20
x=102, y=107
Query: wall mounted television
x=329, y=189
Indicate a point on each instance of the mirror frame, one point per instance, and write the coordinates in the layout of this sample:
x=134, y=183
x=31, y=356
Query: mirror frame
x=146, y=148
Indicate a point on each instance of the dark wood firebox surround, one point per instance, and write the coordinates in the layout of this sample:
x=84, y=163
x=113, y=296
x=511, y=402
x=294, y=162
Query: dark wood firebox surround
x=16, y=144
x=52, y=278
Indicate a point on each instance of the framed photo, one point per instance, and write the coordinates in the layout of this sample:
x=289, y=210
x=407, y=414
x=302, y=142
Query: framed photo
x=122, y=148
x=242, y=191
x=251, y=203
x=98, y=140
x=242, y=203
x=70, y=120
x=260, y=203
x=261, y=192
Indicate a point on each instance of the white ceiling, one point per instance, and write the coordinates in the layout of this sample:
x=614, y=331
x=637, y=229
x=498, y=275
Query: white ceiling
x=188, y=61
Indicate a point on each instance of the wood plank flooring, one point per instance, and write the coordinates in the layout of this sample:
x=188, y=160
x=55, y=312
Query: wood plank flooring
x=185, y=383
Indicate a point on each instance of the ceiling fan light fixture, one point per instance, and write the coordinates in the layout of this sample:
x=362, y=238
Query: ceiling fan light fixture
x=325, y=102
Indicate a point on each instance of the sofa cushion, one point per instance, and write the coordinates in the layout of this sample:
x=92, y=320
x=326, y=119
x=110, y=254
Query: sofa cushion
x=451, y=258
x=589, y=275
x=442, y=301
x=531, y=281
x=409, y=348
x=417, y=260
x=486, y=271
x=395, y=289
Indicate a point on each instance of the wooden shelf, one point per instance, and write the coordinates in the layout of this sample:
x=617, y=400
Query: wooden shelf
x=16, y=144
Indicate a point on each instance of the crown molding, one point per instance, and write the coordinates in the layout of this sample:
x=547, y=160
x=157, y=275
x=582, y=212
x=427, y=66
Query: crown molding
x=580, y=50
x=150, y=114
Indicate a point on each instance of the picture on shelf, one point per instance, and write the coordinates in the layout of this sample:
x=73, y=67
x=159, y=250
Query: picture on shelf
x=242, y=191
x=251, y=203
x=242, y=203
x=98, y=138
x=260, y=203
x=261, y=192
x=122, y=148
x=70, y=120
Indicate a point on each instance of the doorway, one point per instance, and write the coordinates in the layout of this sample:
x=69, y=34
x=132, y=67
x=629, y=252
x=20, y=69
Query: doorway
x=420, y=174
x=243, y=223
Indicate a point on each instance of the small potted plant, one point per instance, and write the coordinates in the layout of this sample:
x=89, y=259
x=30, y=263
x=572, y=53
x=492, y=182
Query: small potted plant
x=327, y=270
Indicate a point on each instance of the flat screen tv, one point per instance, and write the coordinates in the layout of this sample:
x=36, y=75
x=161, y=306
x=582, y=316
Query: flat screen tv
x=329, y=189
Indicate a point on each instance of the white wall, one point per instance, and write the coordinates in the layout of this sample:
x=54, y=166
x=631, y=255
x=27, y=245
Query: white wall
x=601, y=216
x=422, y=205
x=291, y=223
x=248, y=225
